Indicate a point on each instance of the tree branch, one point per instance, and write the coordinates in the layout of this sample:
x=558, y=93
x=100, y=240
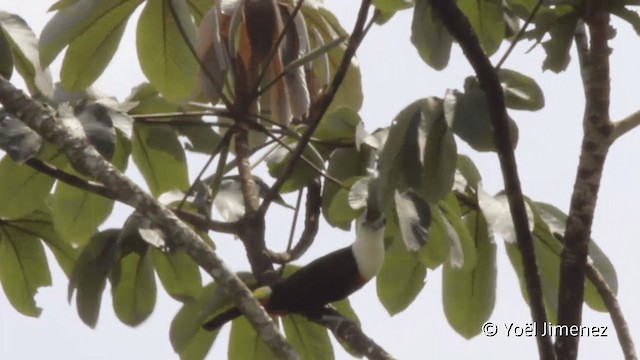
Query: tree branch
x=312, y=218
x=318, y=109
x=617, y=317
x=598, y=130
x=460, y=28
x=86, y=158
x=346, y=330
x=625, y=125
x=197, y=220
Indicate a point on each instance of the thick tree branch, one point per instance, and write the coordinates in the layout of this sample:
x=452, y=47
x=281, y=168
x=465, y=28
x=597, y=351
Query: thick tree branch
x=598, y=130
x=197, y=220
x=252, y=235
x=86, y=158
x=312, y=218
x=460, y=29
x=318, y=109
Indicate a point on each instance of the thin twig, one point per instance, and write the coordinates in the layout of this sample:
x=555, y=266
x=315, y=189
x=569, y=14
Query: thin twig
x=311, y=221
x=520, y=33
x=617, y=316
x=460, y=28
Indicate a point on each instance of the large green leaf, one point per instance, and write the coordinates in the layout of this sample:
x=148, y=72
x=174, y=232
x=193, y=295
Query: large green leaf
x=338, y=126
x=22, y=189
x=309, y=340
x=186, y=334
x=178, y=273
x=78, y=213
x=468, y=296
x=302, y=173
x=346, y=165
x=26, y=58
x=159, y=157
x=468, y=113
x=89, y=275
x=319, y=19
x=74, y=21
x=520, y=91
x=417, y=144
x=245, y=344
x=134, y=287
x=436, y=251
x=555, y=221
x=400, y=279
x=486, y=20
x=430, y=37
x=40, y=224
x=163, y=53
x=91, y=51
x=463, y=254
x=23, y=267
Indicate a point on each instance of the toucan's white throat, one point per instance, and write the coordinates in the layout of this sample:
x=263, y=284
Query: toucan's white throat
x=368, y=249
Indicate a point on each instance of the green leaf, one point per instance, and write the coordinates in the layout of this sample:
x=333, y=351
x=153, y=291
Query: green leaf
x=40, y=225
x=245, y=344
x=309, y=340
x=202, y=139
x=178, y=273
x=414, y=219
x=24, y=48
x=438, y=160
x=469, y=114
x=559, y=45
x=6, y=58
x=164, y=55
x=89, y=275
x=149, y=101
x=407, y=157
x=77, y=213
x=302, y=173
x=78, y=19
x=17, y=139
x=392, y=5
x=339, y=126
x=349, y=93
x=520, y=91
x=22, y=189
x=159, y=157
x=134, y=287
x=23, y=267
x=463, y=251
x=91, y=51
x=198, y=8
x=430, y=37
x=555, y=220
x=400, y=279
x=469, y=296
x=629, y=16
x=486, y=20
x=346, y=165
x=469, y=171
x=436, y=251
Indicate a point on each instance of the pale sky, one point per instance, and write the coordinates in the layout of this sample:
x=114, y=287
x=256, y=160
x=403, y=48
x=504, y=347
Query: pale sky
x=393, y=76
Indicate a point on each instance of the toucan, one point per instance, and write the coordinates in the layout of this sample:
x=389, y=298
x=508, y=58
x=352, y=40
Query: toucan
x=329, y=278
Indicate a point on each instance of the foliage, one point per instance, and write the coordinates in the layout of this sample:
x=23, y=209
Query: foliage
x=438, y=214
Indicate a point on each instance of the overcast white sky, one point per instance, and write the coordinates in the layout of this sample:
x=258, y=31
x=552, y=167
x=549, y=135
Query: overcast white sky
x=393, y=76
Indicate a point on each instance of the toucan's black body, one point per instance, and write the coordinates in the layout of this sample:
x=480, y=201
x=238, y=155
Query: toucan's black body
x=309, y=289
x=329, y=278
